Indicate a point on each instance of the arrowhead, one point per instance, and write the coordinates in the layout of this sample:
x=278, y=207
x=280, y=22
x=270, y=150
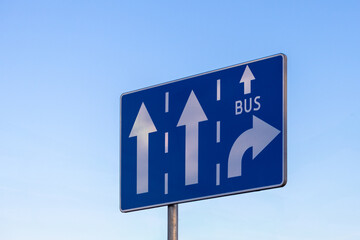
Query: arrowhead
x=247, y=75
x=263, y=134
x=246, y=79
x=143, y=123
x=193, y=112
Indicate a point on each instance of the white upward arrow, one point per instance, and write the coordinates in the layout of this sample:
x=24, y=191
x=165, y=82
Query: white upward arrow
x=190, y=118
x=143, y=125
x=246, y=78
x=257, y=137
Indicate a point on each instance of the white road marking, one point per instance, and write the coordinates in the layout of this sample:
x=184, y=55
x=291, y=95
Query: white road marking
x=217, y=174
x=166, y=142
x=167, y=102
x=166, y=184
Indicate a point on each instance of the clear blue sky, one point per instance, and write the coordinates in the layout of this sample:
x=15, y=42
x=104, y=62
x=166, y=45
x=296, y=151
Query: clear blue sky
x=64, y=65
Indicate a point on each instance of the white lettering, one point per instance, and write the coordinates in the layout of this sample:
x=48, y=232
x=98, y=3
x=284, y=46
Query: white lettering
x=257, y=103
x=248, y=104
x=238, y=107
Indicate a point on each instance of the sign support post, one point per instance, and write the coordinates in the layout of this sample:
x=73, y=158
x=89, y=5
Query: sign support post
x=173, y=222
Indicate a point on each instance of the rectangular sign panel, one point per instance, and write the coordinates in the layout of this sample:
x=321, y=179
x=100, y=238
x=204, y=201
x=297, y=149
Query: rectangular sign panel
x=218, y=133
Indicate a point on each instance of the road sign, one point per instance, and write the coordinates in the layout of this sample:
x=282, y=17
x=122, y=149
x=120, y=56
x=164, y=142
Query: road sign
x=218, y=133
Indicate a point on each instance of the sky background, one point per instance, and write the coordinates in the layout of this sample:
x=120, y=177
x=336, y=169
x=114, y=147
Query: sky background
x=64, y=65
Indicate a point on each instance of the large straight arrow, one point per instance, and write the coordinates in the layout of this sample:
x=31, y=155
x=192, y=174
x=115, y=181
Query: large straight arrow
x=190, y=118
x=257, y=137
x=143, y=125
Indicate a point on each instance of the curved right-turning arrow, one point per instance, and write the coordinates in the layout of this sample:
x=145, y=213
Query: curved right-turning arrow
x=257, y=137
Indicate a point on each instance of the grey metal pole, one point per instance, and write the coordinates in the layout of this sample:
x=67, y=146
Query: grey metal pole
x=173, y=222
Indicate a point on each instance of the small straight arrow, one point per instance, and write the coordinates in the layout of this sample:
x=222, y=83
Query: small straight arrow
x=190, y=118
x=246, y=78
x=257, y=137
x=143, y=125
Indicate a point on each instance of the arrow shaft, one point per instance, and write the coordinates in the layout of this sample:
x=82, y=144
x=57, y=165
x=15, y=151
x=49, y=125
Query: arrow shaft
x=242, y=143
x=142, y=164
x=247, y=87
x=191, y=153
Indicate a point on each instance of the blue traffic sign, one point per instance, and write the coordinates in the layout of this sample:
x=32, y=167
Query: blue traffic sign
x=214, y=134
